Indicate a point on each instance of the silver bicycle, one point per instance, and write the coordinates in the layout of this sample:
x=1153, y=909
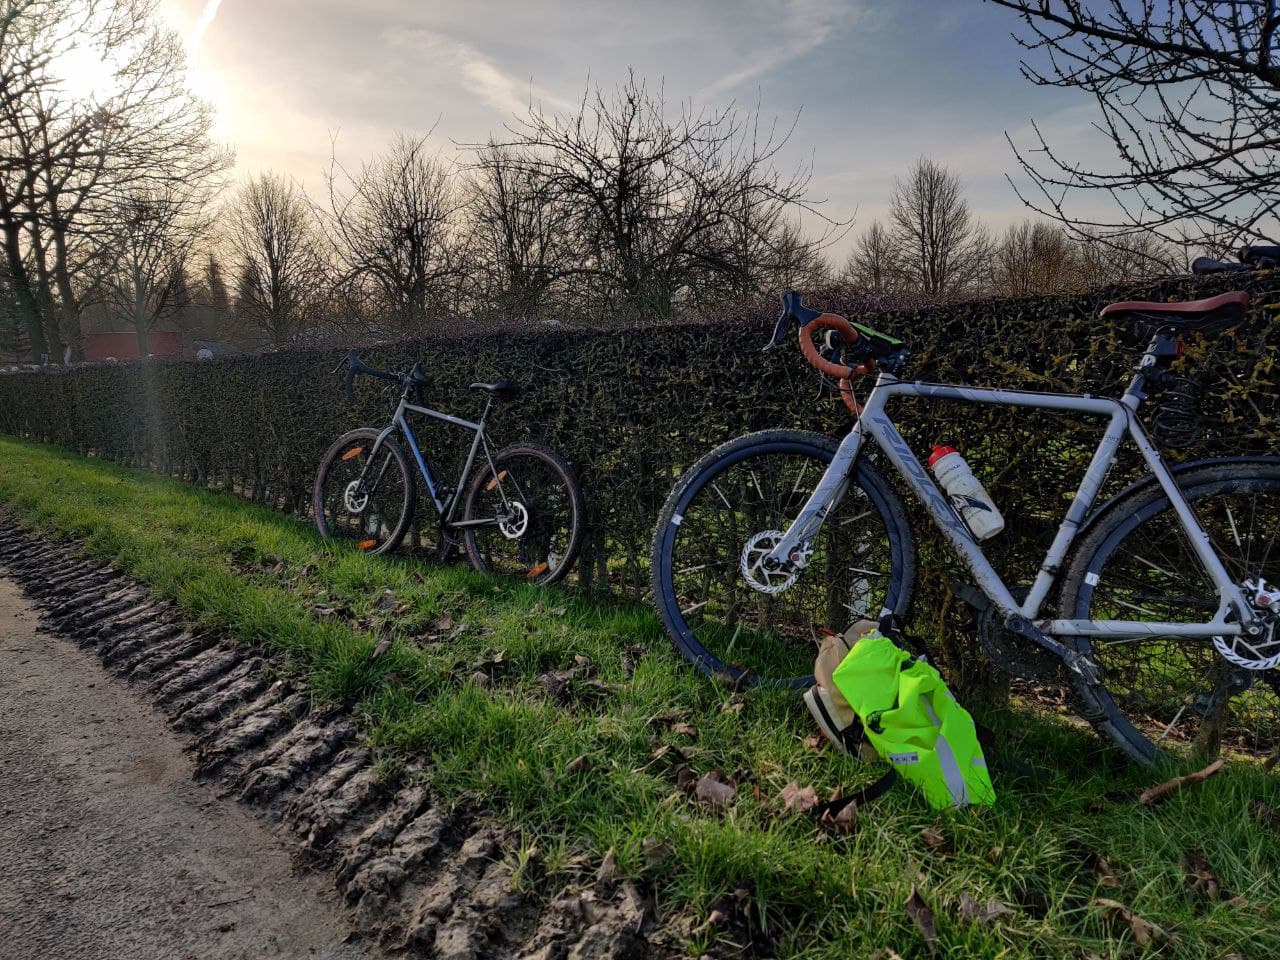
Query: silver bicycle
x=1168, y=595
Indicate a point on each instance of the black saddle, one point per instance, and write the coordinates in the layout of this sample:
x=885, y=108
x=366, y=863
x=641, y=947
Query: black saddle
x=499, y=390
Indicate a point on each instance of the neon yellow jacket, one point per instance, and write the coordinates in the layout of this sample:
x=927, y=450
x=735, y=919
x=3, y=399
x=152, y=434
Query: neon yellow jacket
x=914, y=722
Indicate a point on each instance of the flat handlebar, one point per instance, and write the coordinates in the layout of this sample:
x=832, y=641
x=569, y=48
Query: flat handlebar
x=357, y=367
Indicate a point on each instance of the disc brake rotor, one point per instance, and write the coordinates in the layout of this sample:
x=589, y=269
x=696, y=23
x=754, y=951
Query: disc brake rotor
x=355, y=498
x=514, y=526
x=752, y=563
x=1261, y=652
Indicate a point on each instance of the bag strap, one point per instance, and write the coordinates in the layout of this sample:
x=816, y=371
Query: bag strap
x=874, y=790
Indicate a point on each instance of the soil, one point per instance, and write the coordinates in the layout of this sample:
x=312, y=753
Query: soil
x=109, y=848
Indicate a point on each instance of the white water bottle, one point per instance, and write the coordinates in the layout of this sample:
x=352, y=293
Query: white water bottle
x=969, y=497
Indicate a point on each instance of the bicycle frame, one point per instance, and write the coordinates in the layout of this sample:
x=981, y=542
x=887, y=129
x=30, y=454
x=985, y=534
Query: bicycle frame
x=874, y=424
x=446, y=508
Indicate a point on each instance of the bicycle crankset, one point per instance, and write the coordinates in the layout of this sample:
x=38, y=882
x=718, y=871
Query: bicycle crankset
x=1014, y=654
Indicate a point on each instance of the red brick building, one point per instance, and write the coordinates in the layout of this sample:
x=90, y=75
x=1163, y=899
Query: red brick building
x=123, y=345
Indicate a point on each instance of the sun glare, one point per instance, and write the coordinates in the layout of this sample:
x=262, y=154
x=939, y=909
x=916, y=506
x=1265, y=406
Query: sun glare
x=83, y=74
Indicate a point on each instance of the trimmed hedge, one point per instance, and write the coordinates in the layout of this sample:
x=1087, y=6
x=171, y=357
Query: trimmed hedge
x=632, y=408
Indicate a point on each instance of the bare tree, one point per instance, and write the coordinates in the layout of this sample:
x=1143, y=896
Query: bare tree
x=1109, y=259
x=151, y=236
x=941, y=248
x=395, y=228
x=520, y=236
x=1034, y=257
x=279, y=259
x=66, y=159
x=874, y=262
x=648, y=198
x=1187, y=92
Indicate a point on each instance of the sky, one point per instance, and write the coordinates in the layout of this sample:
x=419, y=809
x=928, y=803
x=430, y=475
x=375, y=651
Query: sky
x=870, y=84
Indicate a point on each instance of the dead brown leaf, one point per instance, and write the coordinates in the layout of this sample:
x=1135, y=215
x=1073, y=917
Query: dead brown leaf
x=995, y=853
x=684, y=729
x=1106, y=874
x=921, y=915
x=1162, y=791
x=608, y=867
x=578, y=765
x=842, y=821
x=713, y=789
x=798, y=799
x=814, y=741
x=480, y=678
x=382, y=647
x=971, y=911
x=1144, y=931
x=936, y=839
x=656, y=851
x=1199, y=877
x=714, y=919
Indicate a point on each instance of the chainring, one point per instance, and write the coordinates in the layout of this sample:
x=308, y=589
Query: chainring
x=1015, y=655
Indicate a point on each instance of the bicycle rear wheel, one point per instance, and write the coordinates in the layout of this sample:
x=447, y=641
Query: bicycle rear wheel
x=729, y=506
x=372, y=514
x=1138, y=564
x=538, y=511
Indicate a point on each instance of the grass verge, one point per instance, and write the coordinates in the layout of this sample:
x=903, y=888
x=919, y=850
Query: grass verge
x=574, y=723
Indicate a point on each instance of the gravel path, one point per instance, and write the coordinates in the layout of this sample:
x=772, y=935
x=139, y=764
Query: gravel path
x=109, y=850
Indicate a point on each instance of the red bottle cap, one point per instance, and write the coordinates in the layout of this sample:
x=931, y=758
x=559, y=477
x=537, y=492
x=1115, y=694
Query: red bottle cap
x=939, y=453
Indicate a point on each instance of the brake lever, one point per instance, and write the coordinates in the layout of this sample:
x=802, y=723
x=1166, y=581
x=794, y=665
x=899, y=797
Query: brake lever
x=779, y=332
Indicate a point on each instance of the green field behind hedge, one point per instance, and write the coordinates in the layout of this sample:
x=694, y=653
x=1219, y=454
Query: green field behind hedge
x=494, y=693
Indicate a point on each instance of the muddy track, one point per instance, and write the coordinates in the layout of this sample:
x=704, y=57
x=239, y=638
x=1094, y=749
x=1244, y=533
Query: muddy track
x=415, y=877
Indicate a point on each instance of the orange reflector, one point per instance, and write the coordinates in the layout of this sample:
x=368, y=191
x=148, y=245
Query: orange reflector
x=366, y=544
x=353, y=452
x=537, y=571
x=494, y=482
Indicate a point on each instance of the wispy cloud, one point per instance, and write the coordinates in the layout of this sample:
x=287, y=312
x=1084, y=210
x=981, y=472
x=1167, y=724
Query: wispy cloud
x=206, y=18
x=482, y=76
x=803, y=26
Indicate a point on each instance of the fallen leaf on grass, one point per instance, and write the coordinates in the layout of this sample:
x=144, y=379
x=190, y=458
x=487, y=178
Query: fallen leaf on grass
x=842, y=821
x=685, y=729
x=383, y=646
x=608, y=867
x=995, y=853
x=921, y=915
x=1161, y=791
x=714, y=789
x=480, y=678
x=578, y=765
x=656, y=851
x=1199, y=877
x=714, y=919
x=666, y=719
x=797, y=798
x=936, y=839
x=1105, y=873
x=1144, y=931
x=814, y=741
x=735, y=704
x=418, y=577
x=971, y=911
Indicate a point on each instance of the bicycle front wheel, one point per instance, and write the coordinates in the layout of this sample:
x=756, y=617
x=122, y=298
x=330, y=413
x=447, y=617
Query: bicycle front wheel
x=1139, y=564
x=733, y=504
x=533, y=515
x=364, y=498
